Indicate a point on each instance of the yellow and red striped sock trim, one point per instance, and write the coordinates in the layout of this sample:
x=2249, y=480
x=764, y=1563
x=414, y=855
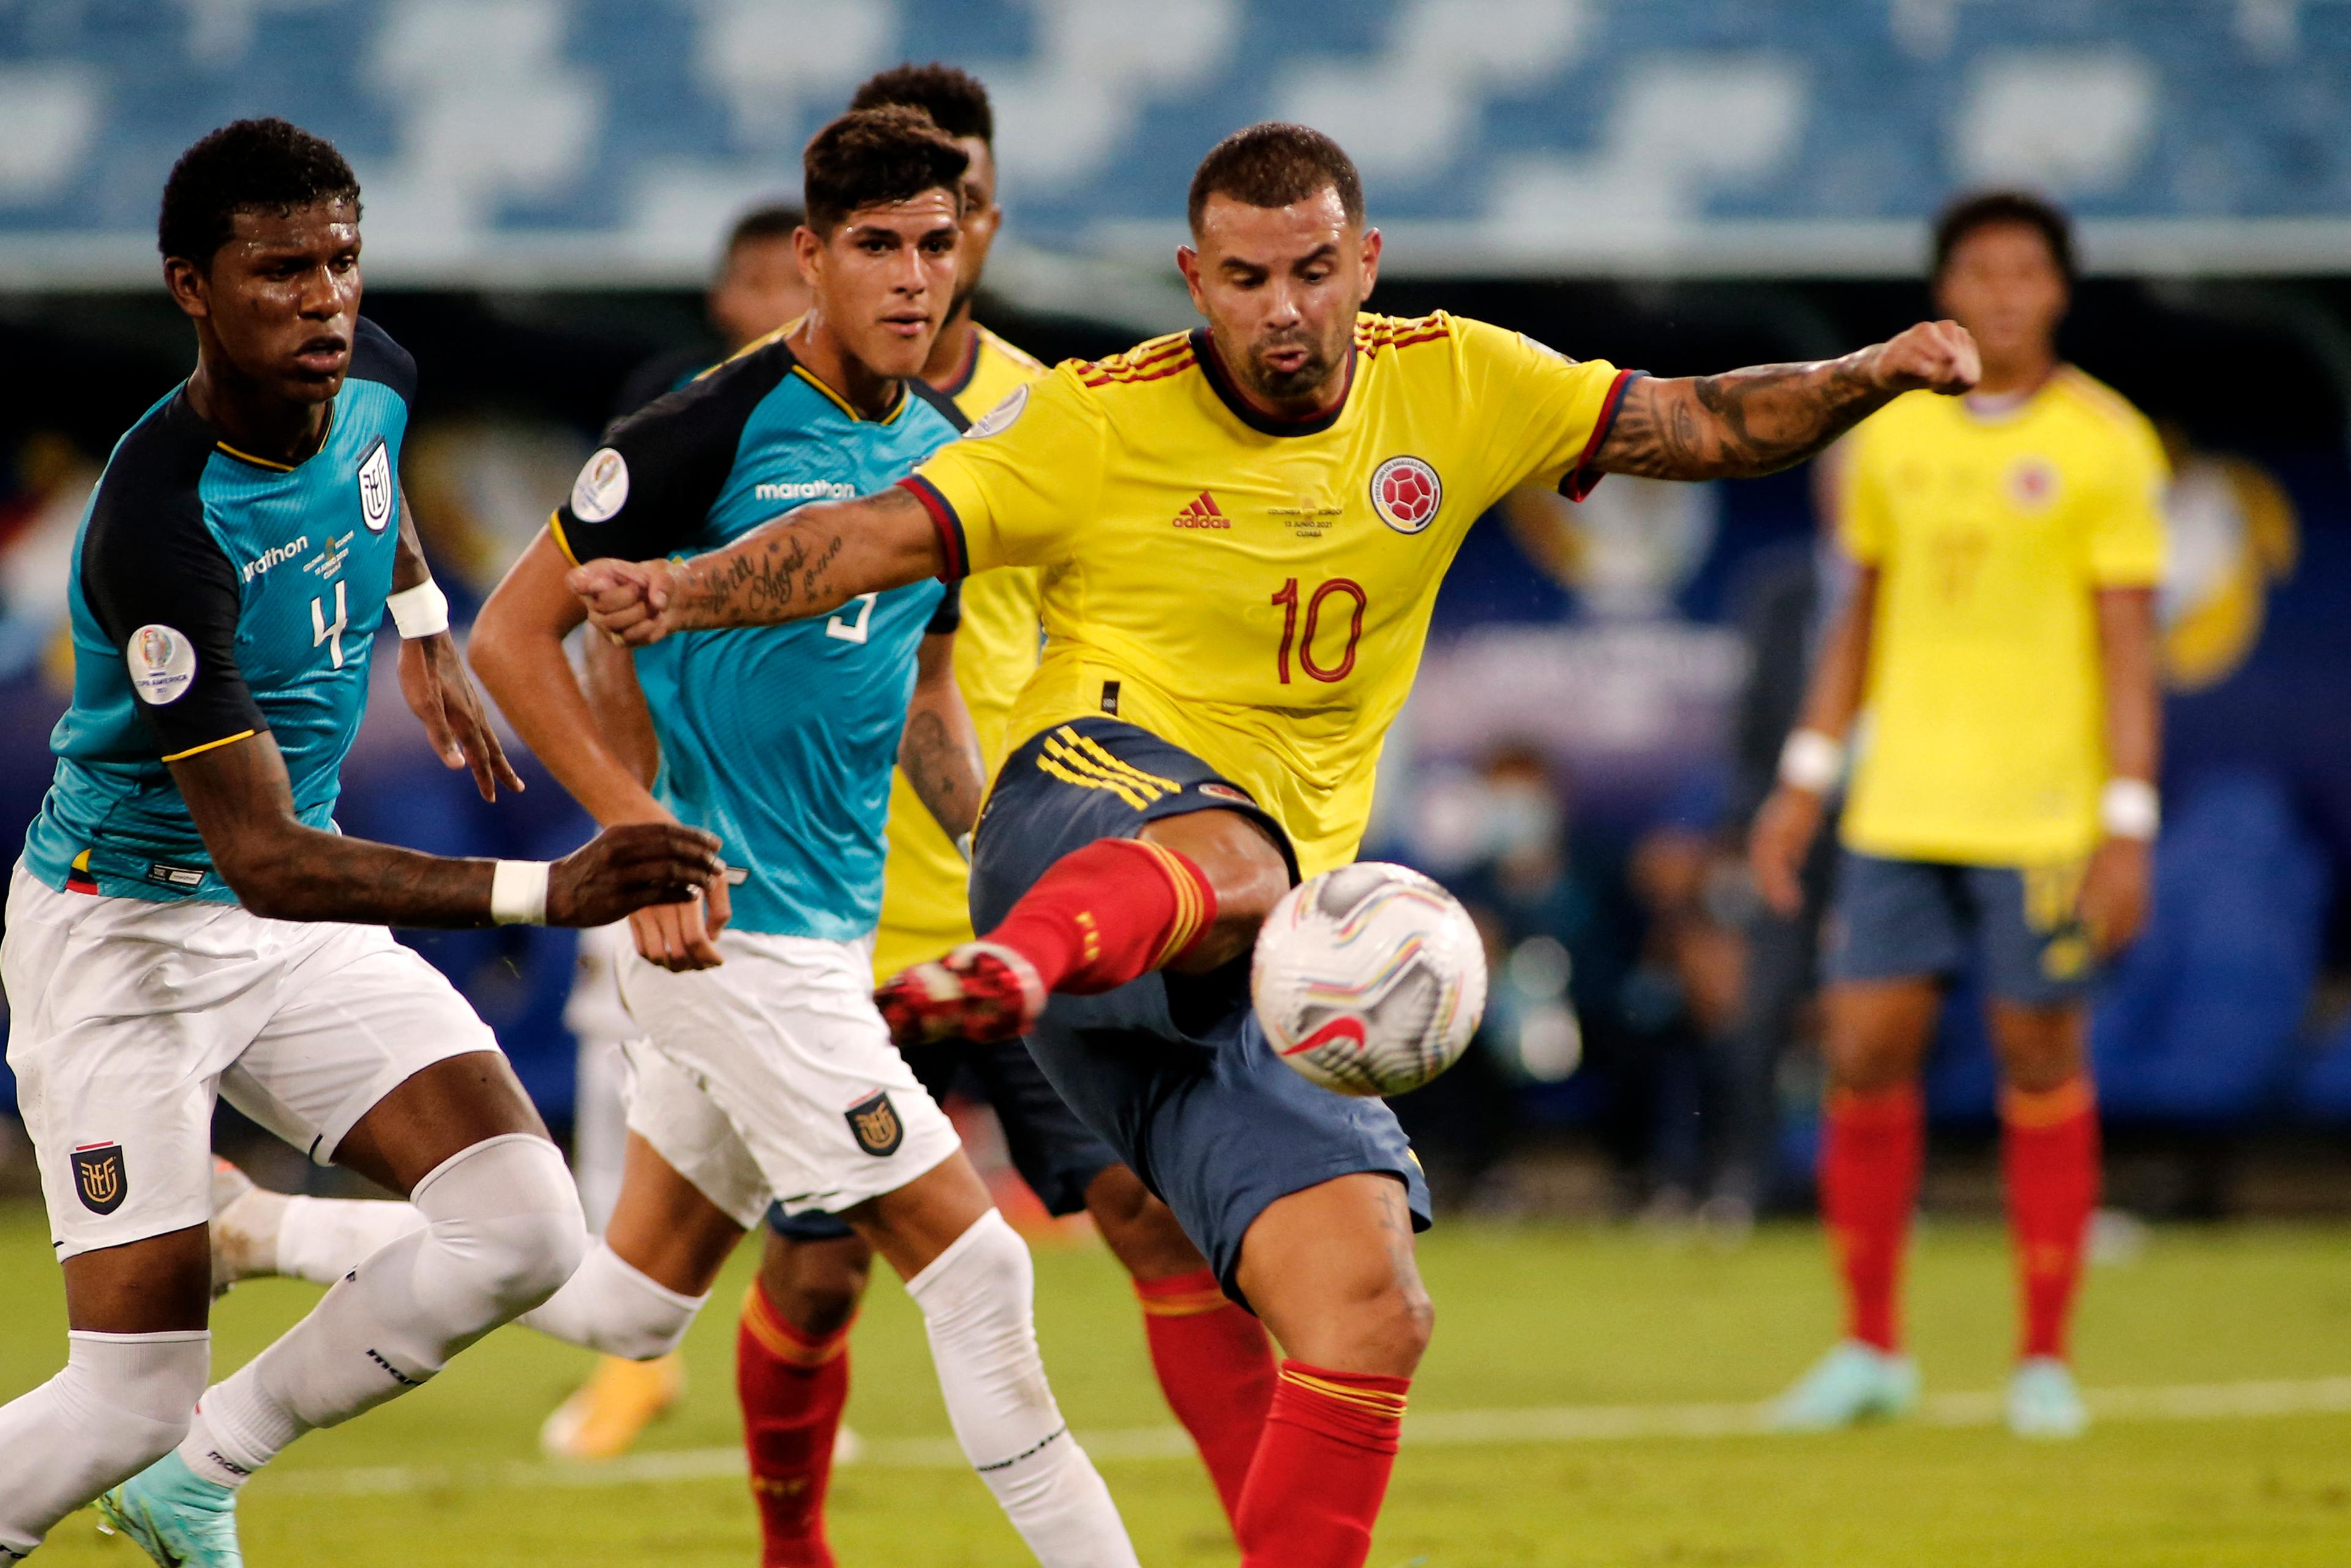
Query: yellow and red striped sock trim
x=2036, y=1108
x=1193, y=901
x=1181, y=1295
x=780, y=1339
x=1373, y=1400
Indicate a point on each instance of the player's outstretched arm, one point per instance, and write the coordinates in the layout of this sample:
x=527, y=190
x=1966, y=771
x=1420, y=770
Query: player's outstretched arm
x=243, y=804
x=809, y=563
x=1758, y=421
x=433, y=678
x=938, y=751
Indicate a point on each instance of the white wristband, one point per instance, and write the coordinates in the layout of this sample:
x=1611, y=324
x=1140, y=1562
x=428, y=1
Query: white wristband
x=2130, y=808
x=519, y=892
x=420, y=612
x=1812, y=761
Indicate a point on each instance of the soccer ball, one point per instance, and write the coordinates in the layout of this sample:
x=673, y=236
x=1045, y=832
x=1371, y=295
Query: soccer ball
x=1369, y=980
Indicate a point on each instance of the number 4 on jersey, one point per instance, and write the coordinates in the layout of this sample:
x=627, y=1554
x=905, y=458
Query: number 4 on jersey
x=330, y=632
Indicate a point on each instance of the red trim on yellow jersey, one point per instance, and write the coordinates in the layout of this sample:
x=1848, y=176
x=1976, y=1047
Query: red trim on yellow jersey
x=1220, y=382
x=943, y=518
x=1378, y=332
x=1145, y=364
x=1580, y=481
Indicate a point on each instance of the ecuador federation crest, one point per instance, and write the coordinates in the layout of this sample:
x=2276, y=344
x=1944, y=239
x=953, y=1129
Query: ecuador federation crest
x=98, y=1177
x=874, y=1123
x=376, y=487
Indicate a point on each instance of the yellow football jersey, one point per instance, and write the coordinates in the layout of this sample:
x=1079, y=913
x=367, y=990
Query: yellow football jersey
x=1257, y=591
x=925, y=908
x=1983, y=734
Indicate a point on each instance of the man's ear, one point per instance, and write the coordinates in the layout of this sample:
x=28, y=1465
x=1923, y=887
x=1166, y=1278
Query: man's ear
x=190, y=290
x=1188, y=262
x=1372, y=245
x=808, y=247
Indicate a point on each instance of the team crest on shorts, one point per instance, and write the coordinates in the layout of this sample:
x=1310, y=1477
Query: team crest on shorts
x=874, y=1123
x=375, y=487
x=97, y=1176
x=1407, y=492
x=1216, y=790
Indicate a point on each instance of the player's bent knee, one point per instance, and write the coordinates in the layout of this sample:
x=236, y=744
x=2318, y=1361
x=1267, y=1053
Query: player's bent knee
x=508, y=1206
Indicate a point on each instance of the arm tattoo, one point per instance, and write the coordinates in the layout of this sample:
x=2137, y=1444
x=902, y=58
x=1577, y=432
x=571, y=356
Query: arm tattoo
x=1738, y=425
x=946, y=774
x=809, y=562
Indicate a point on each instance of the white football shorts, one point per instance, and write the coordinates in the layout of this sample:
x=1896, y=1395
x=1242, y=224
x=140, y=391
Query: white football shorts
x=772, y=1078
x=127, y=1019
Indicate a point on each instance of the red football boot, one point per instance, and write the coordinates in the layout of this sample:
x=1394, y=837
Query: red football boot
x=981, y=992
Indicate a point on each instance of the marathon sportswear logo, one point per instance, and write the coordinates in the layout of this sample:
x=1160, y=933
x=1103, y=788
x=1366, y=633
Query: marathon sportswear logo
x=997, y=420
x=162, y=662
x=276, y=555
x=874, y=1123
x=1202, y=514
x=806, y=490
x=100, y=1177
x=602, y=487
x=375, y=487
x=1407, y=493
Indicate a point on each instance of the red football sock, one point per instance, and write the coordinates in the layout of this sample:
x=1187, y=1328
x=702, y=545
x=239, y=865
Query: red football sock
x=1102, y=915
x=1215, y=1367
x=792, y=1388
x=1870, y=1161
x=1322, y=1468
x=2049, y=1153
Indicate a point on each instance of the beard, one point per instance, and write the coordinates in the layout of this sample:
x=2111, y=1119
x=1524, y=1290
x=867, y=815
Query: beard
x=1302, y=385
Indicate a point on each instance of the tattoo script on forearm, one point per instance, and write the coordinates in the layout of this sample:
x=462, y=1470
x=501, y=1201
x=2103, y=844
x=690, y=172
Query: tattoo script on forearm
x=945, y=773
x=1738, y=424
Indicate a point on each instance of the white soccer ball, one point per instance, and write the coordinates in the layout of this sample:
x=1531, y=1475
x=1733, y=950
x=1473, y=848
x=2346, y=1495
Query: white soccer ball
x=1369, y=980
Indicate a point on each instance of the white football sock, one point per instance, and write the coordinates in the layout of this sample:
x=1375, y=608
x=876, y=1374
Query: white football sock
x=119, y=1405
x=976, y=1299
x=502, y=1233
x=609, y=1305
x=323, y=1239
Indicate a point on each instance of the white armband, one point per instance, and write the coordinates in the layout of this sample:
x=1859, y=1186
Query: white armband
x=2129, y=808
x=519, y=892
x=1812, y=761
x=419, y=611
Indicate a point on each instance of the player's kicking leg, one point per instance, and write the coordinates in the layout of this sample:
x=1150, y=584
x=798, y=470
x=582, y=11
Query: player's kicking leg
x=1128, y=906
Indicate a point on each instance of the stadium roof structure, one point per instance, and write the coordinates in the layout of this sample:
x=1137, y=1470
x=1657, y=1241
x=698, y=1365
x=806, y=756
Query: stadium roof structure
x=608, y=141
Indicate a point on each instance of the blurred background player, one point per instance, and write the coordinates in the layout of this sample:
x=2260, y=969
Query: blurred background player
x=187, y=921
x=758, y=289
x=2000, y=640
x=1120, y=876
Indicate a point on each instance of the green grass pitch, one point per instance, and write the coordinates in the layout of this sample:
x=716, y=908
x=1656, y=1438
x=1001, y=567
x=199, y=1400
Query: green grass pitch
x=1527, y=1317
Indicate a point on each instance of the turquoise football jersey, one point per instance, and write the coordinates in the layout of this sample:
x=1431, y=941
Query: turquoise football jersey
x=779, y=739
x=215, y=595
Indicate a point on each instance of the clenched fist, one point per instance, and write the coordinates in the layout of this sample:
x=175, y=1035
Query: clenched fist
x=624, y=599
x=1938, y=356
x=626, y=867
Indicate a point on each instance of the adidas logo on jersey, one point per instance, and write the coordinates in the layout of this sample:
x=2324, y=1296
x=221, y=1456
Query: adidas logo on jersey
x=1202, y=514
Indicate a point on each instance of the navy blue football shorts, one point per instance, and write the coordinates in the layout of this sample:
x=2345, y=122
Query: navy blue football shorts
x=1049, y=1146
x=1171, y=1070
x=2015, y=928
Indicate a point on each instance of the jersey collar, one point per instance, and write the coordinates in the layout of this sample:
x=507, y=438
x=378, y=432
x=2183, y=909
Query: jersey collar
x=212, y=434
x=1204, y=350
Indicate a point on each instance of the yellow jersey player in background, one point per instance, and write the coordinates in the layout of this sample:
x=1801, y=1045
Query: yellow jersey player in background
x=1999, y=650
x=1241, y=531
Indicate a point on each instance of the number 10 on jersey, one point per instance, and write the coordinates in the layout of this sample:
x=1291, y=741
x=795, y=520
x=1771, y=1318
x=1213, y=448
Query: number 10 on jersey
x=1301, y=638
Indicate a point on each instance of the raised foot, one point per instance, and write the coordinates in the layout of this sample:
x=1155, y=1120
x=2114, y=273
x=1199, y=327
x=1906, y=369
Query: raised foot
x=1852, y=1383
x=980, y=992
x=605, y=1416
x=175, y=1516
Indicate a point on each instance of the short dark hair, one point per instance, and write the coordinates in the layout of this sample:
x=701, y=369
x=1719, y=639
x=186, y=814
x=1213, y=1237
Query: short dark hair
x=1272, y=165
x=893, y=153
x=955, y=99
x=248, y=165
x=778, y=219
x=1987, y=209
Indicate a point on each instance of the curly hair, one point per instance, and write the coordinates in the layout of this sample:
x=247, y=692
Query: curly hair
x=248, y=165
x=871, y=156
x=955, y=99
